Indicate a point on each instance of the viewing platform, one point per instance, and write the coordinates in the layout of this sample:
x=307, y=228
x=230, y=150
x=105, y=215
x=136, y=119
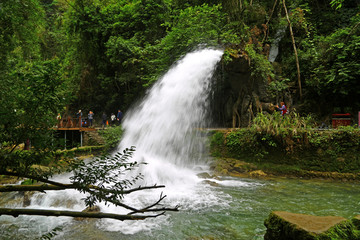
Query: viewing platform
x=71, y=131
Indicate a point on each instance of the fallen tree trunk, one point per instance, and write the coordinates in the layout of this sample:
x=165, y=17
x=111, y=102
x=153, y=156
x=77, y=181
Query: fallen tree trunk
x=57, y=213
x=45, y=187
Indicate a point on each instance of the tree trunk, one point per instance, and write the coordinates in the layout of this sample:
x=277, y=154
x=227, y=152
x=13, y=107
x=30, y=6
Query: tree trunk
x=16, y=212
x=46, y=187
x=295, y=51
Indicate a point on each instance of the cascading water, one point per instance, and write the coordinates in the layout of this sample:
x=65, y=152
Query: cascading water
x=163, y=126
x=274, y=50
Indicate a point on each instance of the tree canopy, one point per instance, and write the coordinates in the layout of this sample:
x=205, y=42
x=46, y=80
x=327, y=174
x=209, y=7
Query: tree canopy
x=107, y=53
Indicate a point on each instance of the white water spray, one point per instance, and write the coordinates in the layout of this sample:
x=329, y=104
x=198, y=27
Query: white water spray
x=163, y=127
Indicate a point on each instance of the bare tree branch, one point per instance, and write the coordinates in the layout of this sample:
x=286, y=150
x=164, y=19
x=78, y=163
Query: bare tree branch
x=150, y=209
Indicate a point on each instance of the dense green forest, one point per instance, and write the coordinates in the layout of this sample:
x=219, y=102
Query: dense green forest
x=102, y=55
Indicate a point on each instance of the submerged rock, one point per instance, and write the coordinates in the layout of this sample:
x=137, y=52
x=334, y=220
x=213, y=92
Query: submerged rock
x=292, y=226
x=27, y=198
x=257, y=174
x=204, y=175
x=211, y=183
x=93, y=209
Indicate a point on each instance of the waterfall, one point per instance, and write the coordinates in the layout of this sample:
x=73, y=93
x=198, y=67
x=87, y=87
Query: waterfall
x=162, y=127
x=274, y=49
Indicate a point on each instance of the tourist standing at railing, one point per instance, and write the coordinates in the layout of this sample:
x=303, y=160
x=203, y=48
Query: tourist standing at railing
x=90, y=118
x=119, y=116
x=79, y=116
x=112, y=118
x=104, y=118
x=58, y=118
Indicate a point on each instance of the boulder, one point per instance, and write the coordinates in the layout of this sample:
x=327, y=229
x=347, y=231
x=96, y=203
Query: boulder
x=292, y=226
x=211, y=183
x=204, y=175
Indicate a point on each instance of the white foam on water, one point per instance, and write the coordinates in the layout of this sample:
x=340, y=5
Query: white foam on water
x=163, y=128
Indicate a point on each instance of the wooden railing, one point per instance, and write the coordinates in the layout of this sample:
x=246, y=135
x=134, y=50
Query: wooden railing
x=68, y=122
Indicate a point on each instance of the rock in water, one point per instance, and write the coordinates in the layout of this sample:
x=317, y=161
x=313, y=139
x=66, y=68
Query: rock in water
x=291, y=226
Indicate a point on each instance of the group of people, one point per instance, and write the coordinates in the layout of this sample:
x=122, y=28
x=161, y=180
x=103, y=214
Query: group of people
x=115, y=120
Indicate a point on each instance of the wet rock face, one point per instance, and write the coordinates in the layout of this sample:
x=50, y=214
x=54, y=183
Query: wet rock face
x=237, y=74
x=238, y=95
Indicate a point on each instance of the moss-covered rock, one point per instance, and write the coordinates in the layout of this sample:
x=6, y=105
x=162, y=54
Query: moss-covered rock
x=257, y=174
x=356, y=222
x=291, y=226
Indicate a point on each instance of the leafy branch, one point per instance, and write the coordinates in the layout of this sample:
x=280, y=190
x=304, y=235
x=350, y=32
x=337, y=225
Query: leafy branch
x=99, y=179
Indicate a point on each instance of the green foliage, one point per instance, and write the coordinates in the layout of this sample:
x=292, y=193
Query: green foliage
x=327, y=43
x=112, y=136
x=216, y=144
x=50, y=235
x=260, y=66
x=267, y=134
x=28, y=182
x=336, y=3
x=103, y=173
x=22, y=163
x=242, y=142
x=191, y=28
x=304, y=149
x=337, y=68
x=31, y=95
x=21, y=23
x=110, y=44
x=275, y=88
x=343, y=230
x=277, y=125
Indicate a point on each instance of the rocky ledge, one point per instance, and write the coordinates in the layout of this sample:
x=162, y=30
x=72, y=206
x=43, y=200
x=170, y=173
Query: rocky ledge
x=292, y=226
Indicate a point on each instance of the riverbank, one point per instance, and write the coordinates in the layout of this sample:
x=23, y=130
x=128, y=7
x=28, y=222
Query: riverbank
x=237, y=168
x=306, y=153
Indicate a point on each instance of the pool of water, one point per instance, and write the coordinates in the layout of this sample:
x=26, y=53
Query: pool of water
x=237, y=211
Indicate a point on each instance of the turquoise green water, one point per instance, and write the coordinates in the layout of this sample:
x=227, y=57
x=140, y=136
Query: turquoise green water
x=250, y=206
x=243, y=206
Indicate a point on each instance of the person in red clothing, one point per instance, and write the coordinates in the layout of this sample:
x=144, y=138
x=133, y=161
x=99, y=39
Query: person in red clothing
x=283, y=108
